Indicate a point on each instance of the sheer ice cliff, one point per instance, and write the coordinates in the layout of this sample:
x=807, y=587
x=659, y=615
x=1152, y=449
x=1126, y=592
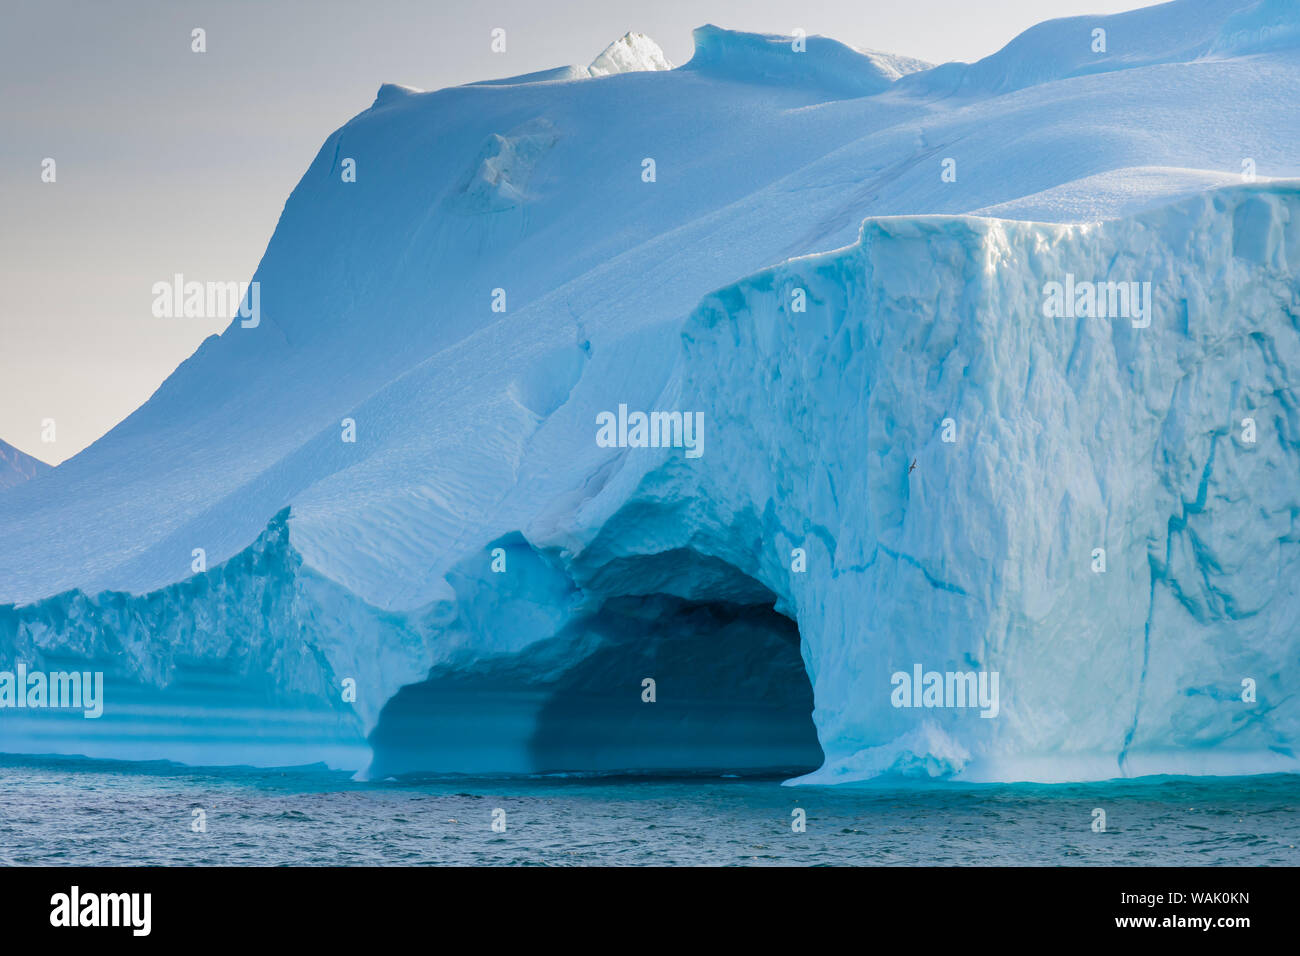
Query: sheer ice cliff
x=817, y=176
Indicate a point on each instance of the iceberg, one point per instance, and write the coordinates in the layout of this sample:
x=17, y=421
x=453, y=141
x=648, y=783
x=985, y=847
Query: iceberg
x=381, y=529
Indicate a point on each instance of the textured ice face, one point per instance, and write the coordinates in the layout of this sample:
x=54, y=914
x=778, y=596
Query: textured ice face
x=1094, y=512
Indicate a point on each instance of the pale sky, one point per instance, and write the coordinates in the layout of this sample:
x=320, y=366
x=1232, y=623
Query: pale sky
x=168, y=161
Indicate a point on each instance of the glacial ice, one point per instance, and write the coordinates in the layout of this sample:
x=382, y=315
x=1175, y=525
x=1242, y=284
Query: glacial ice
x=372, y=561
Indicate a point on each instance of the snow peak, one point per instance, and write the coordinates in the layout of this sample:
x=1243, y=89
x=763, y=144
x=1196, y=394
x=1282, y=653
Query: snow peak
x=948, y=689
x=1098, y=300
x=103, y=909
x=656, y=430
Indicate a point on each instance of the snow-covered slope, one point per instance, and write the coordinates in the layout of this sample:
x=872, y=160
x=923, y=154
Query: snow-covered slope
x=17, y=467
x=1178, y=32
x=630, y=231
x=831, y=68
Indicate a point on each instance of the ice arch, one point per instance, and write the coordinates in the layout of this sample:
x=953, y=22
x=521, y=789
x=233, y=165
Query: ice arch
x=730, y=692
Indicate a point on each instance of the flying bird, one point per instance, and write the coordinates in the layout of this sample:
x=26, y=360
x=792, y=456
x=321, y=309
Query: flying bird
x=912, y=467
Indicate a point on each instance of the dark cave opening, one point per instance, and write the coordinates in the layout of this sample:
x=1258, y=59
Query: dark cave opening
x=730, y=694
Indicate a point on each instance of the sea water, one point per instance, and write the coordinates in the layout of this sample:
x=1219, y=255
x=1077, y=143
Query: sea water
x=57, y=810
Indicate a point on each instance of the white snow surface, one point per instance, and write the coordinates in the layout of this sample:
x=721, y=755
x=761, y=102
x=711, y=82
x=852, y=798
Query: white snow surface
x=630, y=53
x=775, y=171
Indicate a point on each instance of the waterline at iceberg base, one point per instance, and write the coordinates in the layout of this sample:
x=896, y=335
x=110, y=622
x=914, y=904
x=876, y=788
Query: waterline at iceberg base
x=1036, y=441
